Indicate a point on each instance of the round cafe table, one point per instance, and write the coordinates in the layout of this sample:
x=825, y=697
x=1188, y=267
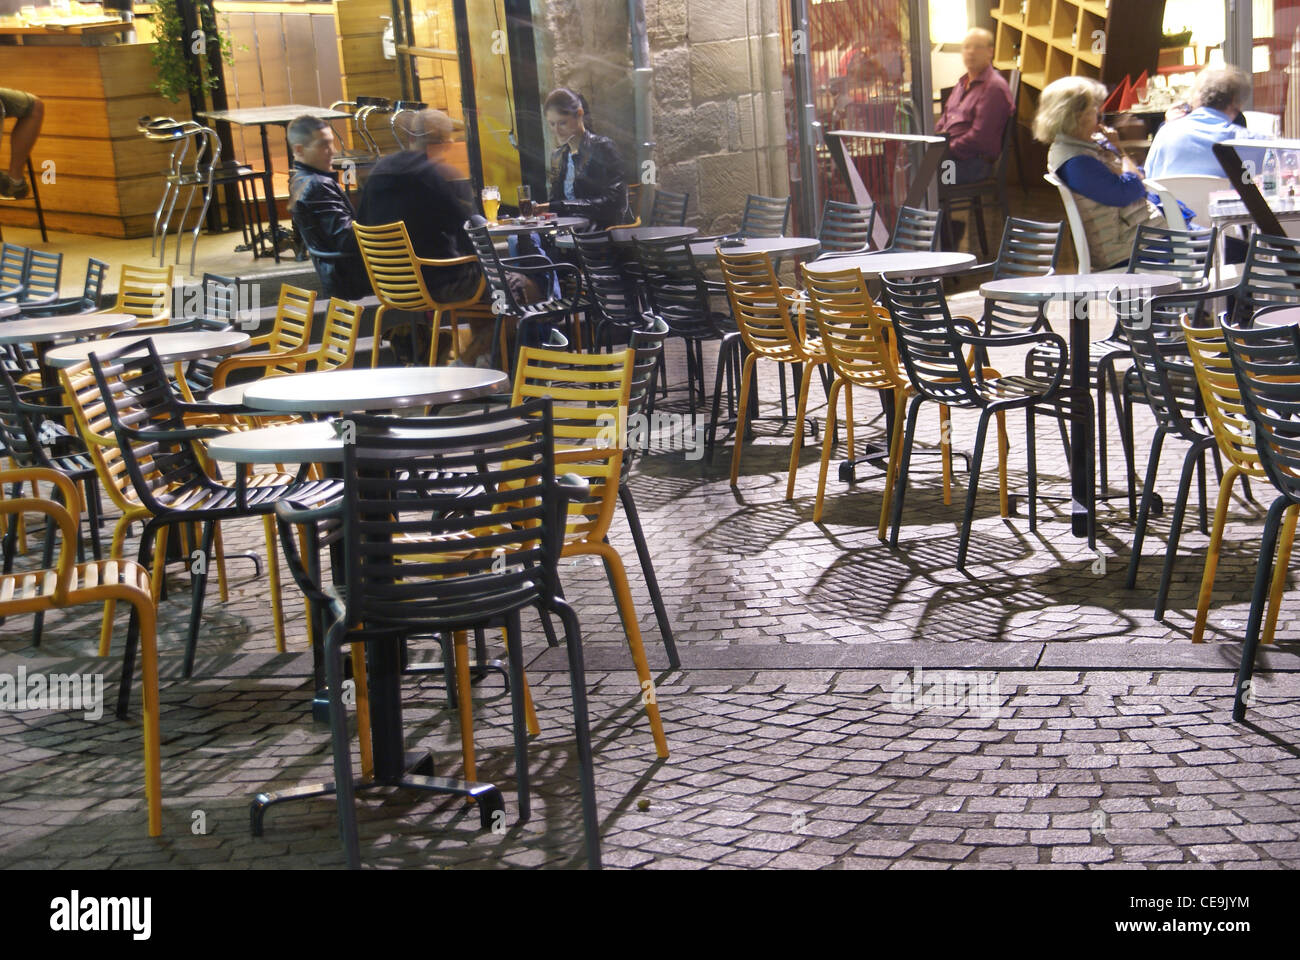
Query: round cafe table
x=1078, y=290
x=1277, y=316
x=907, y=263
x=379, y=388
x=794, y=246
x=171, y=347
x=629, y=235
x=43, y=332
x=506, y=228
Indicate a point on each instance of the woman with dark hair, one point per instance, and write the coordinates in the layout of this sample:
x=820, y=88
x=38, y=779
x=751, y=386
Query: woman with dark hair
x=587, y=177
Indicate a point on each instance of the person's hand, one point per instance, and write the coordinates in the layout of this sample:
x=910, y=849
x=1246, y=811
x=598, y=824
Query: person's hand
x=1109, y=134
x=541, y=208
x=1131, y=167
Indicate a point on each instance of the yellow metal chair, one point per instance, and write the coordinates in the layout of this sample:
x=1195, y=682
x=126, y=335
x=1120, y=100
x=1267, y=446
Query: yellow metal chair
x=398, y=282
x=1235, y=436
x=285, y=348
x=590, y=394
x=855, y=334
x=146, y=293
x=72, y=584
x=338, y=343
x=765, y=313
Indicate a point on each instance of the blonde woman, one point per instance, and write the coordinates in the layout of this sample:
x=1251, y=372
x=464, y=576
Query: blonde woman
x=1086, y=157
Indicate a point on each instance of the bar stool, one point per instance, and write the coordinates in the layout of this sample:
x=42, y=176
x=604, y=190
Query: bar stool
x=36, y=190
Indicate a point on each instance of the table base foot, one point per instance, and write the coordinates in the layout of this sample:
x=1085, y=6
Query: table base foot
x=417, y=775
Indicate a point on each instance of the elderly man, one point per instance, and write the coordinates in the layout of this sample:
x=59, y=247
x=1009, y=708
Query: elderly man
x=976, y=113
x=28, y=110
x=321, y=210
x=1184, y=147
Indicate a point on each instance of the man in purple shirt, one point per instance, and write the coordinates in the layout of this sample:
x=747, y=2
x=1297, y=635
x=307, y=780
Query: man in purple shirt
x=976, y=114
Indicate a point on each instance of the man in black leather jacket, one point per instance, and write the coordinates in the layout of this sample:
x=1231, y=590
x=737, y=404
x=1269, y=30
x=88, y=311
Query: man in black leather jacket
x=321, y=210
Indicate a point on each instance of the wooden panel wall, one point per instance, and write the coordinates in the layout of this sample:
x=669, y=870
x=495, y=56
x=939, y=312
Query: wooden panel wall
x=105, y=175
x=361, y=55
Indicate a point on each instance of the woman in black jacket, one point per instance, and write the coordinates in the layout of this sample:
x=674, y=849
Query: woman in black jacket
x=587, y=177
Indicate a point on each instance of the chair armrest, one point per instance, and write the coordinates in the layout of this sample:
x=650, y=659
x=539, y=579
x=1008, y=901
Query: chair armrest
x=289, y=512
x=246, y=361
x=524, y=260
x=61, y=514
x=187, y=433
x=59, y=308
x=454, y=261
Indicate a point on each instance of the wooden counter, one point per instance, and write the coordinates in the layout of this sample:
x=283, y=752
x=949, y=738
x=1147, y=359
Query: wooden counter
x=99, y=175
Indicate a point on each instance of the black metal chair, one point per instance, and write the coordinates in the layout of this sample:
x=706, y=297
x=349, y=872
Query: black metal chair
x=914, y=230
x=668, y=208
x=168, y=477
x=1029, y=248
x=934, y=347
x=412, y=567
x=1270, y=275
x=764, y=216
x=846, y=228
x=88, y=302
x=41, y=278
x=13, y=270
x=678, y=294
x=504, y=301
x=1162, y=365
x=1266, y=362
x=610, y=290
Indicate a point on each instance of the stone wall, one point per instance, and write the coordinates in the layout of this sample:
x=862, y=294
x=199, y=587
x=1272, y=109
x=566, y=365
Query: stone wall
x=719, y=110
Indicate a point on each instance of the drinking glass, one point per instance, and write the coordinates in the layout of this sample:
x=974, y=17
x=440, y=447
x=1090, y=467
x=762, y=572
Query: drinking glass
x=525, y=194
x=1290, y=163
x=491, y=202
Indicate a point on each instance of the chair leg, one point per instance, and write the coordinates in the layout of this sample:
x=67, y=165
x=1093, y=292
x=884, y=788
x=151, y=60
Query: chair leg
x=1285, y=542
x=972, y=488
x=1194, y=456
x=515, y=661
x=115, y=551
x=826, y=449
x=198, y=587
x=891, y=469
x=273, y=580
x=900, y=489
x=582, y=731
x=797, y=443
x=648, y=571
x=1031, y=461
x=746, y=381
x=344, y=791
x=1250, y=646
x=144, y=624
x=1212, y=554
x=1004, y=501
x=464, y=696
x=945, y=452
x=1148, y=492
x=617, y=575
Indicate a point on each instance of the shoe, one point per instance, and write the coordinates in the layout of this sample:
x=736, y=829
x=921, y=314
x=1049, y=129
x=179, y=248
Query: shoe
x=12, y=189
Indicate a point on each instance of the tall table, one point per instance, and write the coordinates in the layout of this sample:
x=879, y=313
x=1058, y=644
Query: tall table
x=263, y=117
x=1078, y=291
x=342, y=391
x=43, y=332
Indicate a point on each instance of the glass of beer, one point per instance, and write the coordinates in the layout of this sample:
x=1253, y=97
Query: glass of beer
x=491, y=202
x=525, y=194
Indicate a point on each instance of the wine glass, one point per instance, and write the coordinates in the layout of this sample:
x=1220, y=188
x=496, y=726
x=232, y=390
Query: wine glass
x=491, y=202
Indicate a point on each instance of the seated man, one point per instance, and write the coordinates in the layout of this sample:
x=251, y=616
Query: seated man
x=976, y=113
x=28, y=111
x=321, y=210
x=415, y=187
x=1184, y=146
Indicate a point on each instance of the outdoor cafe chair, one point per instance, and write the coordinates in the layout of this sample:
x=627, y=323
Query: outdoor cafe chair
x=504, y=302
x=286, y=348
x=668, y=209
x=1160, y=361
x=13, y=270
x=845, y=228
x=412, y=567
x=397, y=277
x=169, y=480
x=677, y=293
x=70, y=583
x=145, y=293
x=590, y=390
x=86, y=303
x=863, y=352
x=1235, y=437
x=610, y=290
x=1266, y=362
x=934, y=350
x=914, y=230
x=767, y=317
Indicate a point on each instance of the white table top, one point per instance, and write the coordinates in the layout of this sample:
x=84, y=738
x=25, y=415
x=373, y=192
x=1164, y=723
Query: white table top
x=273, y=116
x=321, y=442
x=381, y=388
x=1090, y=285
x=920, y=263
x=505, y=228
x=47, y=329
x=171, y=347
x=804, y=246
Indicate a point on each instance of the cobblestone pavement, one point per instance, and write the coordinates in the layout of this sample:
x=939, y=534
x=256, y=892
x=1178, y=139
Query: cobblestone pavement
x=1101, y=737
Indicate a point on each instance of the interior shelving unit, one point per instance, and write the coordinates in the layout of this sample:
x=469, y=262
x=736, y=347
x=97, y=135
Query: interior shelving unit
x=1050, y=39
